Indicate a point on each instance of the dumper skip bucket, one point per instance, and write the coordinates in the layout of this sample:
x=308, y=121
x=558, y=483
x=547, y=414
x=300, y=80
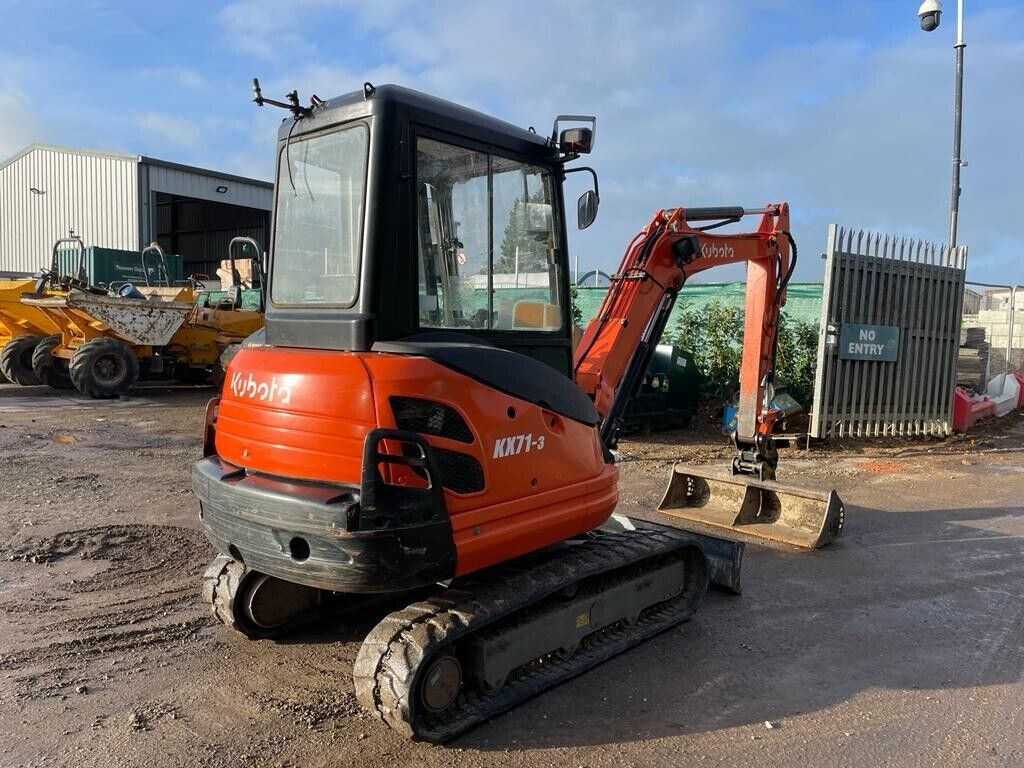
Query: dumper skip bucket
x=714, y=501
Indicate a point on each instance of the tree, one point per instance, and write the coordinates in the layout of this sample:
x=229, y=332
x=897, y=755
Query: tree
x=532, y=244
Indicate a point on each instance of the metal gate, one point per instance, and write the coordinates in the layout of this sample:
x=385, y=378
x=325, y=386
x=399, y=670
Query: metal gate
x=890, y=328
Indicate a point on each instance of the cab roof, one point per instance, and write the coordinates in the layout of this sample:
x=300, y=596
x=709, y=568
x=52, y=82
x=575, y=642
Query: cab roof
x=421, y=108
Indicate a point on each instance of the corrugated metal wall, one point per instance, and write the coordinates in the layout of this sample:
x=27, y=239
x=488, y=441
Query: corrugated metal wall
x=201, y=186
x=193, y=227
x=93, y=193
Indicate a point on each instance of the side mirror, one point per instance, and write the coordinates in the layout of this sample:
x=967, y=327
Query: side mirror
x=586, y=209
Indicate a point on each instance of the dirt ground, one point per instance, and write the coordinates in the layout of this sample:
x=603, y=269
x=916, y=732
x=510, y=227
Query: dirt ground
x=899, y=645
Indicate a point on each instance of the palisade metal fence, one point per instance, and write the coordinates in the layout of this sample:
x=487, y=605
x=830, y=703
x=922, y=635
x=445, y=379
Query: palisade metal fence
x=890, y=328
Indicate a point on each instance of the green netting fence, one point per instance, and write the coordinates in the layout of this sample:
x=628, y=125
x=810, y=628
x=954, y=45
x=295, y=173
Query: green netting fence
x=803, y=300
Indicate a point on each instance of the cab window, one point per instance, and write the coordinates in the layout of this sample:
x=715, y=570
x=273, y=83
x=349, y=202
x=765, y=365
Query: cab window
x=487, y=241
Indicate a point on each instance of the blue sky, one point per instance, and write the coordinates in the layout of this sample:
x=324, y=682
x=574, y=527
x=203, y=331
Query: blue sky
x=841, y=108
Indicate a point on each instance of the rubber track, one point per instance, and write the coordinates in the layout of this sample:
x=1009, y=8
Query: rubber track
x=220, y=582
x=390, y=658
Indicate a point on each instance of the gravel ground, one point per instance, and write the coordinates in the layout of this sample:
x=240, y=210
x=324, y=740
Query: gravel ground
x=899, y=645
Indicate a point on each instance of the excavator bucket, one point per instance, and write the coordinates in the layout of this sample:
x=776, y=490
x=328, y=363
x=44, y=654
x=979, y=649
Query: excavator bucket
x=766, y=512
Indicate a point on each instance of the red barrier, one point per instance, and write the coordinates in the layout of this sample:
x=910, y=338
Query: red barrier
x=968, y=411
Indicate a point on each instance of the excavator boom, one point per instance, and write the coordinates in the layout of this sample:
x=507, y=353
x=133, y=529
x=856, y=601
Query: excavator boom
x=618, y=344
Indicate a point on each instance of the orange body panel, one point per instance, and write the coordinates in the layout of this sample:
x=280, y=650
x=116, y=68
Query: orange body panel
x=312, y=425
x=308, y=425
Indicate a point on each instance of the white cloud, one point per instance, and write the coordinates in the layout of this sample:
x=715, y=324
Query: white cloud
x=265, y=28
x=181, y=77
x=18, y=125
x=171, y=129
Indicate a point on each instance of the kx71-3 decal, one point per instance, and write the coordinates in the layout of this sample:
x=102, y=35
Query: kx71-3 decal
x=510, y=446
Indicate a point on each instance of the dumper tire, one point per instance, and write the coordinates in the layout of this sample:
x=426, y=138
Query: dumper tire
x=104, y=368
x=220, y=368
x=16, y=360
x=218, y=374
x=188, y=375
x=48, y=368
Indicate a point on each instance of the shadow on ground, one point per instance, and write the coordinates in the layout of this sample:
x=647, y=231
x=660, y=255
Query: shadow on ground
x=911, y=600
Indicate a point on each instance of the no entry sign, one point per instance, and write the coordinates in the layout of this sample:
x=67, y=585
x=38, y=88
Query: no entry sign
x=869, y=342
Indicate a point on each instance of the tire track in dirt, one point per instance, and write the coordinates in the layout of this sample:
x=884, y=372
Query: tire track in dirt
x=140, y=594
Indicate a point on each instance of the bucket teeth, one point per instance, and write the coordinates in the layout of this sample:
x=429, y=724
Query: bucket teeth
x=757, y=511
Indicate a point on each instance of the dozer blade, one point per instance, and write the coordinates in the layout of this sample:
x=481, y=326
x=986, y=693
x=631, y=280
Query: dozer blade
x=766, y=512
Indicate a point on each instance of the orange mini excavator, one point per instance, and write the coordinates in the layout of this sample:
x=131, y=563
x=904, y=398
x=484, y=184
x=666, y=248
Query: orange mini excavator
x=412, y=417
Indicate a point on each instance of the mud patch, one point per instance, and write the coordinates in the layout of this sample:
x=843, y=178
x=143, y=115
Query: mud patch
x=882, y=467
x=135, y=553
x=115, y=593
x=329, y=707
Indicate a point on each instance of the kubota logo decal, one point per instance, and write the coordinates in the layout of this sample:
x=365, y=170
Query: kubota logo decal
x=249, y=386
x=712, y=251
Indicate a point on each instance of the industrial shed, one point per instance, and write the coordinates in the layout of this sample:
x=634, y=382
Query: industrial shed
x=124, y=201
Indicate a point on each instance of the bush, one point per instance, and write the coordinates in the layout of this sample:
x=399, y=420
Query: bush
x=574, y=306
x=797, y=358
x=714, y=336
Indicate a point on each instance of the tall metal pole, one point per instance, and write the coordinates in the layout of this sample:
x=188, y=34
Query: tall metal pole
x=958, y=101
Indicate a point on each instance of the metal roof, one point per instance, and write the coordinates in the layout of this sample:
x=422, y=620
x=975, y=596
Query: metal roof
x=205, y=171
x=135, y=159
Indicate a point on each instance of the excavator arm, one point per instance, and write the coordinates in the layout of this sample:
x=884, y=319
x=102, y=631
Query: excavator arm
x=617, y=346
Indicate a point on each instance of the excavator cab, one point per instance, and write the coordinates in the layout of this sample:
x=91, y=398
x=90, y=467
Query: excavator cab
x=400, y=216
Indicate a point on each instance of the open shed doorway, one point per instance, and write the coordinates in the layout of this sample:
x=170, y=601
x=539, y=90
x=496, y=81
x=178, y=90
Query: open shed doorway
x=200, y=230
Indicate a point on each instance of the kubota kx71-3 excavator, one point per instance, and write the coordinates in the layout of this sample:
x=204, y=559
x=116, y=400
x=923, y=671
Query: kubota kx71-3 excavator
x=412, y=416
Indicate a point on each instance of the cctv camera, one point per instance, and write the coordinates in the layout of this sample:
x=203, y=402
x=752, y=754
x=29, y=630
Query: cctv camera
x=929, y=13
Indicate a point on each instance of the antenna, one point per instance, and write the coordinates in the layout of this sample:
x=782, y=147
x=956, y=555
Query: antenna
x=292, y=105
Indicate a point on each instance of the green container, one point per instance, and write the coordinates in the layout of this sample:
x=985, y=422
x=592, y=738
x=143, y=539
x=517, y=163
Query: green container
x=669, y=394
x=104, y=266
x=250, y=298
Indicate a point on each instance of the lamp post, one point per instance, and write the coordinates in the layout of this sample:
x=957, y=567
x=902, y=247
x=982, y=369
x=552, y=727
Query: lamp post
x=930, y=13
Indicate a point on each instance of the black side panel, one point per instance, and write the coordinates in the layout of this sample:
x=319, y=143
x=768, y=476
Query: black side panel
x=444, y=336
x=550, y=349
x=504, y=370
x=319, y=329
